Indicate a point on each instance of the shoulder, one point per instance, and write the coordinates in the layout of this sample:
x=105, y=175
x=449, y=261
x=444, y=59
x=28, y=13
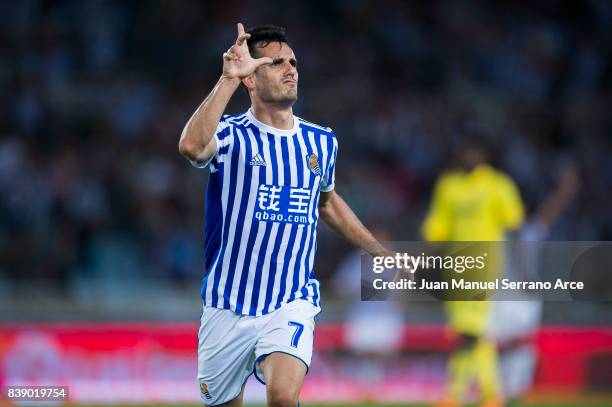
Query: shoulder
x=502, y=179
x=233, y=119
x=504, y=186
x=317, y=128
x=449, y=184
x=226, y=124
x=449, y=179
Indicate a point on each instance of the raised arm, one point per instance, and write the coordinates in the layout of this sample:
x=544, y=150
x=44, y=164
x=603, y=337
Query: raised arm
x=560, y=198
x=197, y=141
x=340, y=217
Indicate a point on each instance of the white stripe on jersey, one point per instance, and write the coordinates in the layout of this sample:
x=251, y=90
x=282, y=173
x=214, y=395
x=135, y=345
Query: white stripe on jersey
x=274, y=228
x=261, y=229
x=260, y=254
x=300, y=231
x=233, y=220
x=305, y=275
x=246, y=226
x=285, y=233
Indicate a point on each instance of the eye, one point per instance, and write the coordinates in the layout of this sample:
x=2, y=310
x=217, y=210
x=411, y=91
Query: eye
x=277, y=61
x=293, y=62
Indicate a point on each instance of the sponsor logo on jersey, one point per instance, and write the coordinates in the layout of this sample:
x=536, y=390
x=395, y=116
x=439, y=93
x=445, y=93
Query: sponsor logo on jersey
x=282, y=204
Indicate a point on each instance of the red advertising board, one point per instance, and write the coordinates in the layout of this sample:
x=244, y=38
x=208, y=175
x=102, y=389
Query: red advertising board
x=122, y=362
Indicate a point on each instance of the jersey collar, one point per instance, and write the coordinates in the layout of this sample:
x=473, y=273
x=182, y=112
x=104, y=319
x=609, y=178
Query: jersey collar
x=273, y=130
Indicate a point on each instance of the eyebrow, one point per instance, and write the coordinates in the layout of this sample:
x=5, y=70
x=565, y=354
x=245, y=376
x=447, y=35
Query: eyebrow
x=277, y=61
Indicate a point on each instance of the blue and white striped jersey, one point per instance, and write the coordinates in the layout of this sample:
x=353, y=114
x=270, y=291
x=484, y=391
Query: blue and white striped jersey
x=260, y=233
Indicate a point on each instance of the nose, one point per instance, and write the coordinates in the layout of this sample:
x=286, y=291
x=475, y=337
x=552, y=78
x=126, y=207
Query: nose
x=290, y=69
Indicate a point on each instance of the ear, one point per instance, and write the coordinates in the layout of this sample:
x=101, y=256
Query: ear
x=249, y=82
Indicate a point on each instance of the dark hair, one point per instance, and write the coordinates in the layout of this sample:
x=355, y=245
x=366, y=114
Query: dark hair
x=262, y=35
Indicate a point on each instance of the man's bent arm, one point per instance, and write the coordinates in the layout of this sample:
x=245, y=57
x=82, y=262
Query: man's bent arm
x=197, y=140
x=341, y=218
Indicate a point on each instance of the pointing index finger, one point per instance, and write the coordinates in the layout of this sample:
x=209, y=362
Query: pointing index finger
x=240, y=29
x=241, y=38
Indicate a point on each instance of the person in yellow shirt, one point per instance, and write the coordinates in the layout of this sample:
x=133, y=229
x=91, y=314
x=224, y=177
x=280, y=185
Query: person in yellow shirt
x=473, y=202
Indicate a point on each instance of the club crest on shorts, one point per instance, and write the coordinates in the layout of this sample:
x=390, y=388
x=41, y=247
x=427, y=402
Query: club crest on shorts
x=313, y=163
x=204, y=391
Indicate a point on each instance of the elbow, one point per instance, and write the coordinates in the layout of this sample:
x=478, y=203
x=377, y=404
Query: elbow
x=188, y=149
x=326, y=205
x=325, y=213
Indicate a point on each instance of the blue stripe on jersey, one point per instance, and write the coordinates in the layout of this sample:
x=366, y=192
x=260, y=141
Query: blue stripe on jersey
x=227, y=218
x=251, y=239
x=314, y=126
x=246, y=189
x=292, y=233
x=258, y=272
x=266, y=236
x=315, y=295
x=325, y=158
x=223, y=133
x=330, y=153
x=300, y=182
x=223, y=150
x=279, y=233
x=236, y=118
x=307, y=258
x=212, y=228
x=312, y=149
x=332, y=168
x=240, y=120
x=269, y=249
x=304, y=255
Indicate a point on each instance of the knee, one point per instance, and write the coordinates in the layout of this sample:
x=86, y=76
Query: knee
x=282, y=397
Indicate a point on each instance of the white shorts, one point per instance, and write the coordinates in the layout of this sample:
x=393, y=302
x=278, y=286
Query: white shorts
x=230, y=346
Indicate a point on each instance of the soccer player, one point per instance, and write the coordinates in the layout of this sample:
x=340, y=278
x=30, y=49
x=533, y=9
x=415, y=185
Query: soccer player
x=474, y=202
x=271, y=177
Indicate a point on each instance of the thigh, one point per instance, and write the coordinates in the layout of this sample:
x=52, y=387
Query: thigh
x=226, y=353
x=284, y=376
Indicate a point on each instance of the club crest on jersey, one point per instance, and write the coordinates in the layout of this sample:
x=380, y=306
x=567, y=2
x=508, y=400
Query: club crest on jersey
x=204, y=391
x=313, y=163
x=257, y=160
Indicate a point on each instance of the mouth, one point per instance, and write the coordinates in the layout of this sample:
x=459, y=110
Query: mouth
x=289, y=82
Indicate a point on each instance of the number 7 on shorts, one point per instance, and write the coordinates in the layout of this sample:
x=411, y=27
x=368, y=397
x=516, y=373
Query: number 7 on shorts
x=299, y=328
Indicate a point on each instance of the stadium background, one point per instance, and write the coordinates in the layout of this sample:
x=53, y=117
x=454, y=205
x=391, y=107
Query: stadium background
x=101, y=219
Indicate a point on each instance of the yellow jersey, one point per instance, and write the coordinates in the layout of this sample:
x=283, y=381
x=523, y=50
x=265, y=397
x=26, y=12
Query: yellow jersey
x=473, y=206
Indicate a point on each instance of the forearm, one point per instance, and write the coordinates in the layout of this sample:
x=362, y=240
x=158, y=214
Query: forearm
x=200, y=128
x=342, y=220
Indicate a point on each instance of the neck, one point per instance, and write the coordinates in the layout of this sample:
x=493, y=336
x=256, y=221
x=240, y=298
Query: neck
x=279, y=117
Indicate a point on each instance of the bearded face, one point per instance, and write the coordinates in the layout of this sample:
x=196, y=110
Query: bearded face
x=276, y=83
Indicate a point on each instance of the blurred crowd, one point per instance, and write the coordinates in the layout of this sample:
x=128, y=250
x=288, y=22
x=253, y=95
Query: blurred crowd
x=96, y=93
